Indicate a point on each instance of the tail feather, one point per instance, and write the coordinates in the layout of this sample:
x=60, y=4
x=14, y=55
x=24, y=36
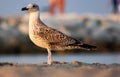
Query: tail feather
x=88, y=47
x=84, y=46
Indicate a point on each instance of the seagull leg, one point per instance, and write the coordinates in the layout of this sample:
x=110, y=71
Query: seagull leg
x=49, y=56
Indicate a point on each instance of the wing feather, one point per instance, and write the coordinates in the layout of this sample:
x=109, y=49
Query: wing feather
x=53, y=36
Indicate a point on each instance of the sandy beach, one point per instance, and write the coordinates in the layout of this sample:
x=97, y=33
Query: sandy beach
x=59, y=69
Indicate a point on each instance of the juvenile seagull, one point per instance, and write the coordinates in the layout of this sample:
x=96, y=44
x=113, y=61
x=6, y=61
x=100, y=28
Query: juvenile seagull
x=49, y=38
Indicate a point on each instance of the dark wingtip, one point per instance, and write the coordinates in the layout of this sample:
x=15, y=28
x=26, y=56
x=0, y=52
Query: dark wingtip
x=88, y=47
x=24, y=8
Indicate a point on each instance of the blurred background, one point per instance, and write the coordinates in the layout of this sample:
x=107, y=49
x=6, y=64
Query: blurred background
x=95, y=22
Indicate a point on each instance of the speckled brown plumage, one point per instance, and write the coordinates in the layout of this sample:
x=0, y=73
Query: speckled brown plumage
x=49, y=38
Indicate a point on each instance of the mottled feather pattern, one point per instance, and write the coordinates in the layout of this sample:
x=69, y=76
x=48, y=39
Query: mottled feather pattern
x=51, y=35
x=55, y=38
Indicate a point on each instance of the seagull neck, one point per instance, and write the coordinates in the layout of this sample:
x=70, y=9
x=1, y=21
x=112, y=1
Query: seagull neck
x=34, y=16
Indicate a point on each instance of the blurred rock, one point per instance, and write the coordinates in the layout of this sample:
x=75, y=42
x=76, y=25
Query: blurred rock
x=102, y=31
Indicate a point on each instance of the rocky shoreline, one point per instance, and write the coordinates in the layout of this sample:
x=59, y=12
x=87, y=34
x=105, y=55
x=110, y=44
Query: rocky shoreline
x=102, y=31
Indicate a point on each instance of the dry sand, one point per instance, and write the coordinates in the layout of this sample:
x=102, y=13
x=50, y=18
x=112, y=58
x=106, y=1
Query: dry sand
x=57, y=69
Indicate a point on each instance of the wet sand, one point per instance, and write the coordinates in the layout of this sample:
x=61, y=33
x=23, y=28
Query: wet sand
x=59, y=69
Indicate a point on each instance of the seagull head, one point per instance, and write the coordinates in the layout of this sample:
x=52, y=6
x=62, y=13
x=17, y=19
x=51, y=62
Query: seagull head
x=31, y=8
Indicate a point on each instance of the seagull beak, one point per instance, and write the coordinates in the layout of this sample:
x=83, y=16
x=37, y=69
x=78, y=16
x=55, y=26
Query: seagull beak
x=24, y=9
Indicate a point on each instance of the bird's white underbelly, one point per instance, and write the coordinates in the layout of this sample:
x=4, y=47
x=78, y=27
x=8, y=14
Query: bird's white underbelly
x=38, y=41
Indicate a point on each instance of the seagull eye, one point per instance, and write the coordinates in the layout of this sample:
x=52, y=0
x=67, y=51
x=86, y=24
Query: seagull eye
x=34, y=6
